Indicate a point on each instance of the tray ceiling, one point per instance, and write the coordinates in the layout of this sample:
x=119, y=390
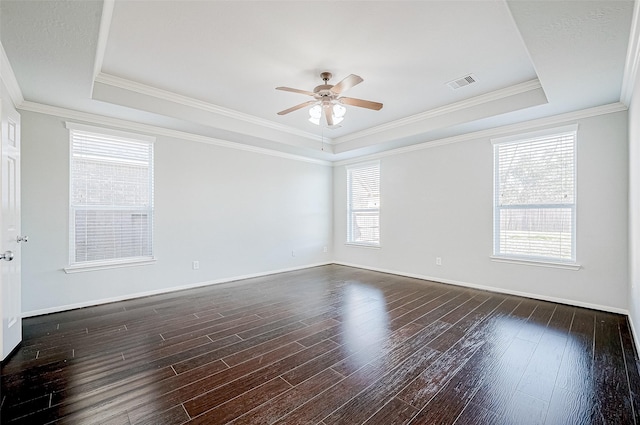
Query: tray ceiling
x=211, y=67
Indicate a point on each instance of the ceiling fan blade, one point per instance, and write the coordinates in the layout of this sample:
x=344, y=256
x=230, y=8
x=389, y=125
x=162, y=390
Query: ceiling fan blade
x=328, y=113
x=361, y=103
x=346, y=84
x=295, y=108
x=308, y=93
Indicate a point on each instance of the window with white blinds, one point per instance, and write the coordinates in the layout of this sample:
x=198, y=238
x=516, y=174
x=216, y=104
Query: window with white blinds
x=363, y=204
x=535, y=197
x=111, y=197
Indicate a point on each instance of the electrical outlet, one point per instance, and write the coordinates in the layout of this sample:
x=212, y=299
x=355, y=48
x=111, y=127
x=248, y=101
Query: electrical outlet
x=195, y=265
x=324, y=249
x=438, y=261
x=293, y=253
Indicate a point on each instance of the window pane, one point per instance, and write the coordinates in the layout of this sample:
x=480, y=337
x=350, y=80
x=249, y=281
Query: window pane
x=366, y=227
x=538, y=172
x=99, y=183
x=537, y=232
x=363, y=193
x=111, y=200
x=107, y=235
x=365, y=187
x=534, y=205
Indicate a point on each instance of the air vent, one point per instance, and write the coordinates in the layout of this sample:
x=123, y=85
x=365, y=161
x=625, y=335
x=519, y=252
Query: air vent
x=461, y=82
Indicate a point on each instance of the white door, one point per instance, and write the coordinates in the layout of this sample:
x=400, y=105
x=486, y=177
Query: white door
x=10, y=288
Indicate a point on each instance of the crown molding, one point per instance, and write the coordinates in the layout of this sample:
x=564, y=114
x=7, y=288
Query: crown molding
x=447, y=109
x=9, y=78
x=103, y=36
x=633, y=58
x=159, y=131
x=122, y=83
x=495, y=132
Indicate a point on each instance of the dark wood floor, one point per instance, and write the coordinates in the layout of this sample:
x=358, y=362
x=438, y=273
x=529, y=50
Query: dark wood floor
x=327, y=345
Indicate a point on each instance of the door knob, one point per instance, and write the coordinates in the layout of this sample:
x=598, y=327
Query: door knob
x=7, y=255
x=22, y=239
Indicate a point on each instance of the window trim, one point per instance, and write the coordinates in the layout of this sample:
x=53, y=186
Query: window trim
x=349, y=234
x=95, y=265
x=109, y=264
x=532, y=260
x=538, y=263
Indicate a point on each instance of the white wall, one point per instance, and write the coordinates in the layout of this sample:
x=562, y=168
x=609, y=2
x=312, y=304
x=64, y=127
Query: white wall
x=241, y=213
x=238, y=213
x=437, y=202
x=634, y=209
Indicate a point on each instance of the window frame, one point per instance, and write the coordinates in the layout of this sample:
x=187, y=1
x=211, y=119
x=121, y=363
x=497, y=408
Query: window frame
x=350, y=211
x=91, y=265
x=545, y=261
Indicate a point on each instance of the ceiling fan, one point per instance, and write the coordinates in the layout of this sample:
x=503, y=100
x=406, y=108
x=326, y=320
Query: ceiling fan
x=327, y=100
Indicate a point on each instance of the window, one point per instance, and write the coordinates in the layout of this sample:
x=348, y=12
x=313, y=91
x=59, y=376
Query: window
x=535, y=196
x=111, y=197
x=363, y=204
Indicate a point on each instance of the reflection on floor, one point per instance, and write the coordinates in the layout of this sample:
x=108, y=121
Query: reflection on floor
x=327, y=345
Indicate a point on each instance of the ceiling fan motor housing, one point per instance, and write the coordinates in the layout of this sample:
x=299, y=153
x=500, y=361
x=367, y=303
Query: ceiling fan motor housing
x=323, y=90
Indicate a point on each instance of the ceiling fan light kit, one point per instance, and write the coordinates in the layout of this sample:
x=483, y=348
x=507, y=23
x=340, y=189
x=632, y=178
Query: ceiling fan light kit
x=337, y=113
x=328, y=100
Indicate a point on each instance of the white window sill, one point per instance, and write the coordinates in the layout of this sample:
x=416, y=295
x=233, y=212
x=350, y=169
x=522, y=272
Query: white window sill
x=362, y=245
x=105, y=265
x=537, y=263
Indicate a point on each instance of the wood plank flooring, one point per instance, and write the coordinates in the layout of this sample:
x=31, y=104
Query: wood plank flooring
x=326, y=345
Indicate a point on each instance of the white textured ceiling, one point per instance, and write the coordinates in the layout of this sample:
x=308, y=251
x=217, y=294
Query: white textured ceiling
x=211, y=67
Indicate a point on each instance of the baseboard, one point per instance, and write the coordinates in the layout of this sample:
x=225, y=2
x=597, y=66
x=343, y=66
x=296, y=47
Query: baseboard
x=164, y=290
x=359, y=266
x=493, y=289
x=11, y=353
x=634, y=334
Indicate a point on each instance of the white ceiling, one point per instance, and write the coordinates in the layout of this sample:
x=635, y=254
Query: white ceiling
x=211, y=67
